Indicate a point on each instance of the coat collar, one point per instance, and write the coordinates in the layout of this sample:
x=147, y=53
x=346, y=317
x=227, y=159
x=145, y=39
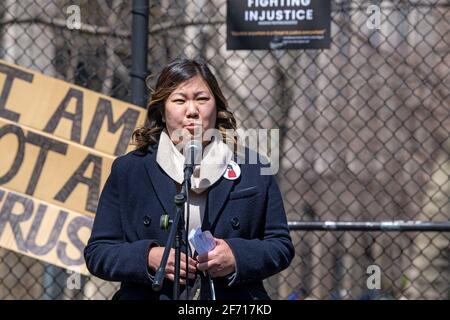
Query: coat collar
x=165, y=190
x=215, y=157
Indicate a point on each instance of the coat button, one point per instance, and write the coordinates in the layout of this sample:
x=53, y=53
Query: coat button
x=235, y=223
x=147, y=220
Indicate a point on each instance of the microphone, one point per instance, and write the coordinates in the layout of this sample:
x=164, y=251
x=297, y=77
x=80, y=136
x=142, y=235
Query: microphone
x=192, y=153
x=193, y=156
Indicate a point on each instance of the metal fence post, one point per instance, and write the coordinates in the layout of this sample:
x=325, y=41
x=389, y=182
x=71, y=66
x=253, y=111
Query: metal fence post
x=139, y=48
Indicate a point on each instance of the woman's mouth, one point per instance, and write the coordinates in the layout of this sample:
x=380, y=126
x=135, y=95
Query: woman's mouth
x=191, y=126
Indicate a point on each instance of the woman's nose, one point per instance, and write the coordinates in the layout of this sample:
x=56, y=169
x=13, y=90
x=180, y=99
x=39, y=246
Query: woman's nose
x=192, y=110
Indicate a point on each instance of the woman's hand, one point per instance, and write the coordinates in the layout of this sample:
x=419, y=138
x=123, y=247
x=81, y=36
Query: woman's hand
x=154, y=260
x=219, y=262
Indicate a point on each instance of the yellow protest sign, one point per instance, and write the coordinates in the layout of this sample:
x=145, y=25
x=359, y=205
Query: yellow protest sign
x=42, y=231
x=66, y=110
x=49, y=169
x=57, y=144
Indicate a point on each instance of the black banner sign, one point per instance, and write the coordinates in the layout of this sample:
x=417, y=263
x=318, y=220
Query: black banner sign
x=278, y=24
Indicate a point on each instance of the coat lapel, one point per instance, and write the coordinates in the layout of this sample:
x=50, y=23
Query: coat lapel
x=163, y=185
x=217, y=196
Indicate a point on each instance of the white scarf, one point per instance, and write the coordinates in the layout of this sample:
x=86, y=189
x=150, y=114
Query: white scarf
x=216, y=156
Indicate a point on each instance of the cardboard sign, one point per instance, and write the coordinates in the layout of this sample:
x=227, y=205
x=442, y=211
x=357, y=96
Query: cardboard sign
x=57, y=145
x=43, y=231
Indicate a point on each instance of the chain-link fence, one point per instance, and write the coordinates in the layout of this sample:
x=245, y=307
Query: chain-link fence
x=364, y=130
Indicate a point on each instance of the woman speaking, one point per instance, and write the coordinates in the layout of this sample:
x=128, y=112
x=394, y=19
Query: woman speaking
x=229, y=197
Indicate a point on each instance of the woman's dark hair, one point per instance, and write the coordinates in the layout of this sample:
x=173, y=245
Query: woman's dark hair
x=176, y=72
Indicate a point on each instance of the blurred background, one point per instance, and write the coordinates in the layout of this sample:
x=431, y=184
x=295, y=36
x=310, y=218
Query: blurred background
x=364, y=130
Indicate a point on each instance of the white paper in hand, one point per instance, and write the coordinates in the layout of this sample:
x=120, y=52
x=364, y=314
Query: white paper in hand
x=201, y=241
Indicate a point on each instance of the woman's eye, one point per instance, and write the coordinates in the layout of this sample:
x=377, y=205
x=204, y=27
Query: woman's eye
x=178, y=101
x=203, y=99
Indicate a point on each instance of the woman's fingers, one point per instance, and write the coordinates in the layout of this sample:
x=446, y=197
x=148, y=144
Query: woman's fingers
x=206, y=266
x=213, y=274
x=192, y=268
x=183, y=274
x=155, y=260
x=170, y=269
x=192, y=262
x=172, y=278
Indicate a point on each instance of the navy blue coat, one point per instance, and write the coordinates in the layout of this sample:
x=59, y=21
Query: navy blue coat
x=248, y=213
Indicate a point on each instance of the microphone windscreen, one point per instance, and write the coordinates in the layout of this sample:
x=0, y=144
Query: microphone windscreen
x=193, y=152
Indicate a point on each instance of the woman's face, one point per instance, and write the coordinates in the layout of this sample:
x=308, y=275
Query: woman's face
x=190, y=106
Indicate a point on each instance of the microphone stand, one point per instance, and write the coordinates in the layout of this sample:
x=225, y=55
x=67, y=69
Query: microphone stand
x=177, y=226
x=188, y=171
